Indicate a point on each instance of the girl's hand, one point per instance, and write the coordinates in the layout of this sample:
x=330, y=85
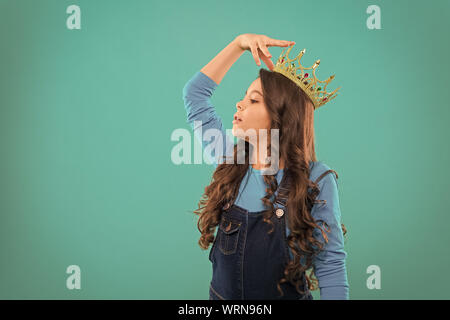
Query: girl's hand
x=257, y=44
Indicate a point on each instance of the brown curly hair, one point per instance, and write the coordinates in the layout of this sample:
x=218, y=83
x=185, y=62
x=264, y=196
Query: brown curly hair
x=291, y=111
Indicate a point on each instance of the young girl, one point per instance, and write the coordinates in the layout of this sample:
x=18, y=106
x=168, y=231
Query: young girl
x=272, y=228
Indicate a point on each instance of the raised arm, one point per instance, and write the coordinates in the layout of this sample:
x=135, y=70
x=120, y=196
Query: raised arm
x=256, y=43
x=222, y=62
x=198, y=90
x=197, y=93
x=202, y=116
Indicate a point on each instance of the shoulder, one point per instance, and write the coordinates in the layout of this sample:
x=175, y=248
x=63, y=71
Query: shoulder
x=317, y=169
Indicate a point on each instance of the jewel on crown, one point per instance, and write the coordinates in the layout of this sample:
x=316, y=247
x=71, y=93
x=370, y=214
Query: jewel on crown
x=313, y=87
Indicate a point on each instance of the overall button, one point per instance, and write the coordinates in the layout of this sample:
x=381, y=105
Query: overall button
x=279, y=212
x=227, y=206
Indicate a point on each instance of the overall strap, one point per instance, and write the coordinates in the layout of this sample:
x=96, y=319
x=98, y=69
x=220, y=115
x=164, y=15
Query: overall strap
x=283, y=189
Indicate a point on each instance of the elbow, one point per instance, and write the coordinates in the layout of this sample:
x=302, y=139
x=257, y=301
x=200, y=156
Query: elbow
x=187, y=98
x=190, y=92
x=185, y=92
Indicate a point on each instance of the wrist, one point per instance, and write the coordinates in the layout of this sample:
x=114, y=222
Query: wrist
x=236, y=43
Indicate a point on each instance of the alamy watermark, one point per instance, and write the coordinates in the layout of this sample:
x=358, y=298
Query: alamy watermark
x=222, y=146
x=74, y=280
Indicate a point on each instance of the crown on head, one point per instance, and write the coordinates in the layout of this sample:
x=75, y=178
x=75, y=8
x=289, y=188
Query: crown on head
x=313, y=87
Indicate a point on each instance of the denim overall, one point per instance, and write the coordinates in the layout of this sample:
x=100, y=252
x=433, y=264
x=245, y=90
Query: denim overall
x=247, y=261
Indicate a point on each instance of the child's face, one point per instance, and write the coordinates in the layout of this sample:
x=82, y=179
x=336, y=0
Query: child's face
x=251, y=112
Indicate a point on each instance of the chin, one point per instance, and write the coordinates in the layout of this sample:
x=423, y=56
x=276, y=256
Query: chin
x=235, y=132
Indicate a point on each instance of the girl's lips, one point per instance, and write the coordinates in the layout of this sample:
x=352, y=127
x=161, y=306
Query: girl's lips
x=237, y=119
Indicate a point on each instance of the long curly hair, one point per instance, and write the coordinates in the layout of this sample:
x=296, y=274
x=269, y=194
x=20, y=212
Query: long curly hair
x=291, y=111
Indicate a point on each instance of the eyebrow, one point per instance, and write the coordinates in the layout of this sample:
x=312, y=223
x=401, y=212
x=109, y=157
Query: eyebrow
x=254, y=91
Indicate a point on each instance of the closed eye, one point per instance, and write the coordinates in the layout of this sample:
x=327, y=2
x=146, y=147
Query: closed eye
x=251, y=100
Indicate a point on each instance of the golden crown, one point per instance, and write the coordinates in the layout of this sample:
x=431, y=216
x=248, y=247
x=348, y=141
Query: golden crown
x=312, y=86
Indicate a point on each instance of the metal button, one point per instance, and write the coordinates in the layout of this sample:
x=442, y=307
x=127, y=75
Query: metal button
x=279, y=212
x=227, y=206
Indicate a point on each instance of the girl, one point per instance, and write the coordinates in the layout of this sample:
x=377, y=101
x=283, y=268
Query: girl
x=272, y=228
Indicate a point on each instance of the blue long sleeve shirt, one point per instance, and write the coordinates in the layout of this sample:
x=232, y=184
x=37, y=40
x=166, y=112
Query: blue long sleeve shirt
x=330, y=267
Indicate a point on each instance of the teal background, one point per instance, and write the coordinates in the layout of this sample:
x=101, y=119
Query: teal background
x=86, y=118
